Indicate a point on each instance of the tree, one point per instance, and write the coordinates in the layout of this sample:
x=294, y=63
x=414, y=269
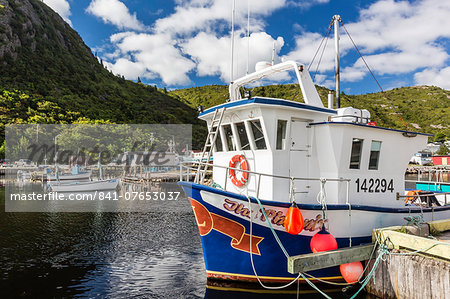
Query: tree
x=440, y=137
x=443, y=150
x=2, y=150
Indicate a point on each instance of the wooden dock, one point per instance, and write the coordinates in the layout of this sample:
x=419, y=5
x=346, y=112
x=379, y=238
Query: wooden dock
x=418, y=265
x=417, y=169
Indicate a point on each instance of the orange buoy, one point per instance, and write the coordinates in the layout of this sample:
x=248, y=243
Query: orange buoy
x=411, y=196
x=323, y=241
x=351, y=271
x=293, y=222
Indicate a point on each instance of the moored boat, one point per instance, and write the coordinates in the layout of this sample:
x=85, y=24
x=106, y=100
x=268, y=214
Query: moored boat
x=76, y=175
x=345, y=174
x=77, y=186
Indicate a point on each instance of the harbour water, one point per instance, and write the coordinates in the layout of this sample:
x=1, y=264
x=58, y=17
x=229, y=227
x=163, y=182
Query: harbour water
x=152, y=254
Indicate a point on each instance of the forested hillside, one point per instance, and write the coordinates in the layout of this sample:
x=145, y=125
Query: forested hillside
x=423, y=108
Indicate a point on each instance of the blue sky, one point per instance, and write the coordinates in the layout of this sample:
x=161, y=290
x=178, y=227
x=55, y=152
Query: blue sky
x=178, y=44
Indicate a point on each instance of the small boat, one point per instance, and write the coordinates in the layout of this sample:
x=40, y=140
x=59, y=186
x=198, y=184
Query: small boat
x=101, y=185
x=76, y=175
x=345, y=173
x=23, y=175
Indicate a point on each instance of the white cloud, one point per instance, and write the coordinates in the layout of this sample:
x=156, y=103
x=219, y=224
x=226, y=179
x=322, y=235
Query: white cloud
x=200, y=28
x=395, y=37
x=194, y=15
x=146, y=55
x=306, y=4
x=115, y=13
x=434, y=77
x=212, y=54
x=62, y=7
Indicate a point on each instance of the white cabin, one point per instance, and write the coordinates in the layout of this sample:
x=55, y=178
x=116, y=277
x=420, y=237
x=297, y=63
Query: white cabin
x=310, y=142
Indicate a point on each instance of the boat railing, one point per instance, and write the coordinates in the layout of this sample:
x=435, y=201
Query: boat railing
x=357, y=118
x=187, y=169
x=413, y=198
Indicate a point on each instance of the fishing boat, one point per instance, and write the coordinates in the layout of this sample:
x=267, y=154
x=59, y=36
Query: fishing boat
x=345, y=173
x=76, y=175
x=77, y=186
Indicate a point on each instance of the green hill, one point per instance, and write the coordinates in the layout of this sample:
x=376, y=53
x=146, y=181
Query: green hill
x=48, y=74
x=423, y=108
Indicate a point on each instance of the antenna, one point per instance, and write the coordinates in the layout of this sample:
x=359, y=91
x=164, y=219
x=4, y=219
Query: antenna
x=232, y=40
x=273, y=52
x=248, y=34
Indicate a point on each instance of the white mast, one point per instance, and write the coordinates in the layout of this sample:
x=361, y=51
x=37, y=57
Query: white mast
x=336, y=19
x=248, y=35
x=273, y=52
x=232, y=40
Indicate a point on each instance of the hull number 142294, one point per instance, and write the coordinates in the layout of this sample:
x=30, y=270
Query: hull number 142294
x=374, y=185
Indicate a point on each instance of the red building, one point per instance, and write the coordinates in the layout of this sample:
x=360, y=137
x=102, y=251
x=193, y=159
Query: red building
x=441, y=160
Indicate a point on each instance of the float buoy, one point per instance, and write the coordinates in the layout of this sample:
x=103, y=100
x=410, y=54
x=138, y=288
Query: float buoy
x=411, y=196
x=293, y=222
x=232, y=174
x=323, y=241
x=351, y=271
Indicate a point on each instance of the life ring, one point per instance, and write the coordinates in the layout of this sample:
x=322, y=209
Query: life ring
x=232, y=173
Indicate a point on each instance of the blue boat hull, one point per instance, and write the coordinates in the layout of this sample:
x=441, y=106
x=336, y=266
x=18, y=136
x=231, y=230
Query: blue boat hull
x=223, y=222
x=226, y=258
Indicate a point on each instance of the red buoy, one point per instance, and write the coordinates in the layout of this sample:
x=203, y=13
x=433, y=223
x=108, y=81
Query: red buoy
x=293, y=222
x=323, y=241
x=351, y=271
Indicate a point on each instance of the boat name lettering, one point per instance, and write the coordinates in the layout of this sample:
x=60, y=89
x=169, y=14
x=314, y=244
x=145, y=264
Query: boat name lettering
x=277, y=217
x=374, y=185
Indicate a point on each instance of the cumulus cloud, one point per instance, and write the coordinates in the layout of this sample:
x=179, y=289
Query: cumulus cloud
x=62, y=7
x=210, y=15
x=212, y=53
x=396, y=37
x=148, y=55
x=201, y=44
x=116, y=13
x=437, y=77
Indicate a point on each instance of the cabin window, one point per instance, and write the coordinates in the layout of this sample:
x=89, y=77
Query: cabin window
x=229, y=137
x=281, y=134
x=355, y=158
x=258, y=134
x=218, y=143
x=374, y=154
x=243, y=138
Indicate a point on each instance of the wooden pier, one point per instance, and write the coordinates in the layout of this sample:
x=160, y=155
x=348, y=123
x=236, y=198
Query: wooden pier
x=417, y=169
x=418, y=265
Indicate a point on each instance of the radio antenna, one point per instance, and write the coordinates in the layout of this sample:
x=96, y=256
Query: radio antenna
x=232, y=40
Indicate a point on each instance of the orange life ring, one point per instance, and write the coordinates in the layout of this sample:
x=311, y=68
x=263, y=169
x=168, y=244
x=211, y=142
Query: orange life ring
x=232, y=173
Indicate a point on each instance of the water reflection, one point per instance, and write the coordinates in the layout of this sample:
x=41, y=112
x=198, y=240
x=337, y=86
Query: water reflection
x=151, y=254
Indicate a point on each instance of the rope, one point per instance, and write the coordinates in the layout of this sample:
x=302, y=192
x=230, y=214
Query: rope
x=317, y=51
x=321, y=55
x=282, y=248
x=321, y=199
x=373, y=76
x=279, y=242
x=382, y=252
